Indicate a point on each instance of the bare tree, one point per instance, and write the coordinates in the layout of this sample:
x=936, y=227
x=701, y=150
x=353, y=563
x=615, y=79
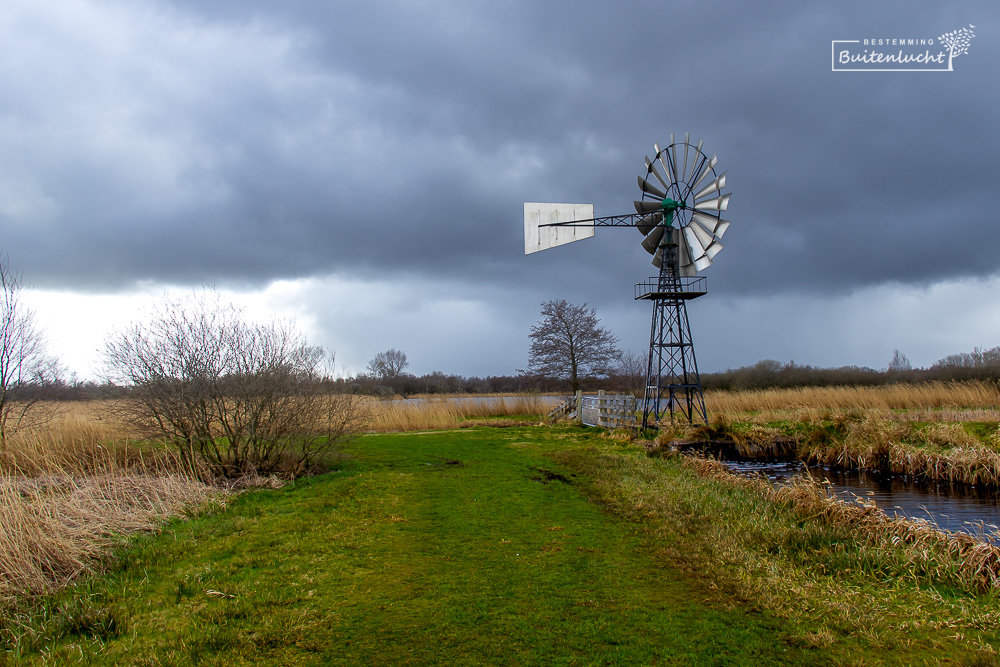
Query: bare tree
x=25, y=366
x=899, y=363
x=387, y=367
x=629, y=372
x=569, y=343
x=241, y=396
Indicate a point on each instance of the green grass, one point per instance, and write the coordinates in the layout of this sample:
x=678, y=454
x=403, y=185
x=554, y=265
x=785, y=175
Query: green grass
x=463, y=547
x=521, y=546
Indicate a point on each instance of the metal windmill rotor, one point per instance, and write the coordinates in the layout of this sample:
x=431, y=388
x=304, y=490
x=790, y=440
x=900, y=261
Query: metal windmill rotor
x=695, y=212
x=679, y=216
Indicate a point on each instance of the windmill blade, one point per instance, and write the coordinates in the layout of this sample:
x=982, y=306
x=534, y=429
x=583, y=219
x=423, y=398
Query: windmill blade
x=673, y=157
x=651, y=168
x=684, y=165
x=647, y=206
x=706, y=171
x=706, y=222
x=694, y=244
x=666, y=167
x=658, y=258
x=704, y=236
x=702, y=263
x=647, y=224
x=712, y=245
x=713, y=224
x=683, y=254
x=715, y=185
x=648, y=188
x=652, y=240
x=717, y=204
x=684, y=259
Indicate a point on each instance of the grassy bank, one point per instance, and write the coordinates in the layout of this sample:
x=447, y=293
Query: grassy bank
x=844, y=577
x=515, y=546
x=946, y=432
x=964, y=453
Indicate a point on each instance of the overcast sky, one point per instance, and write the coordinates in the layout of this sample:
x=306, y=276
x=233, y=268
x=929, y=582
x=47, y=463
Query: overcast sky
x=361, y=167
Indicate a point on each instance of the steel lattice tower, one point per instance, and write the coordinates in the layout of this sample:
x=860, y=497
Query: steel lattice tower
x=672, y=380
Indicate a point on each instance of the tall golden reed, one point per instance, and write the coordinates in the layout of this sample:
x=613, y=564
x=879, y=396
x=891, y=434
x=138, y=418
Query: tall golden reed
x=930, y=396
x=450, y=413
x=68, y=488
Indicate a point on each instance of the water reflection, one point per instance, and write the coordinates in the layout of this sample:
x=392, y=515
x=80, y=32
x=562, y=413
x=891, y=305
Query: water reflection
x=954, y=508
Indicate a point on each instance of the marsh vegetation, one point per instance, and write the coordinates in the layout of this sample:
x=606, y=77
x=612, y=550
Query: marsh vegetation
x=441, y=537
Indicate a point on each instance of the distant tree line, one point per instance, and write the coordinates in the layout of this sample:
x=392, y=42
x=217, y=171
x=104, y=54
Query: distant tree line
x=979, y=364
x=625, y=375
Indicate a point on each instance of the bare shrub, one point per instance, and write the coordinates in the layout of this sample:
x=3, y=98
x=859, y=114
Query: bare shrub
x=628, y=373
x=244, y=397
x=26, y=369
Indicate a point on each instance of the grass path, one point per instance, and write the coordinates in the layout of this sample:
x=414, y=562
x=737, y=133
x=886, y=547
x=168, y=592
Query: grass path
x=462, y=547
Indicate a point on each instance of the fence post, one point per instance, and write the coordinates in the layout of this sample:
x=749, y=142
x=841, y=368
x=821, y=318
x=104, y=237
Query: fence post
x=579, y=407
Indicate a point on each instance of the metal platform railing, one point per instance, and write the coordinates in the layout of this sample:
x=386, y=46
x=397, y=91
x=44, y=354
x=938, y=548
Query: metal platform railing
x=690, y=287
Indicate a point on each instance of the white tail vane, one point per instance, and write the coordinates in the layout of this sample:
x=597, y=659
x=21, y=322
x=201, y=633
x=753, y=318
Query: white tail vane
x=537, y=236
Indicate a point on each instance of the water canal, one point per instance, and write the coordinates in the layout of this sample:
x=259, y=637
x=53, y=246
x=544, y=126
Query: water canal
x=950, y=507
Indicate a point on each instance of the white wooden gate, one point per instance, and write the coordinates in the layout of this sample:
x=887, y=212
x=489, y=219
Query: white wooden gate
x=608, y=410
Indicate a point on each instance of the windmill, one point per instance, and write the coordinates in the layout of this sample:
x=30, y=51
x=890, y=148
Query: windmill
x=679, y=216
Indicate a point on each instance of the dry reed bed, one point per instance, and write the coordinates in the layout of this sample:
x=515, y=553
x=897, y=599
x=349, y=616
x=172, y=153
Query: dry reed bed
x=446, y=413
x=932, y=398
x=875, y=425
x=974, y=562
x=56, y=528
x=942, y=452
x=66, y=491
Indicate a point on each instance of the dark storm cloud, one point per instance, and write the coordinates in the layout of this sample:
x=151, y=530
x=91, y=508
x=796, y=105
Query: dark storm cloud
x=243, y=142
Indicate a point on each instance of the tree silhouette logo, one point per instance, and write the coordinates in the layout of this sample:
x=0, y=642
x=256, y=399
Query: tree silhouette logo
x=958, y=42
